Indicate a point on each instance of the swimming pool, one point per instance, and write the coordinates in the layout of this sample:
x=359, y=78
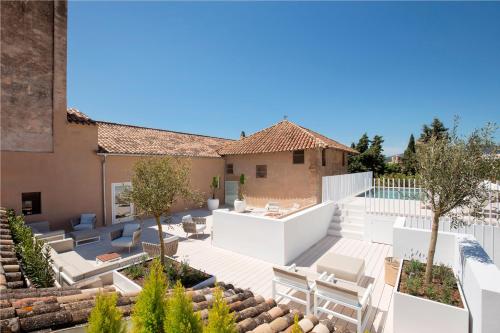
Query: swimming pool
x=389, y=193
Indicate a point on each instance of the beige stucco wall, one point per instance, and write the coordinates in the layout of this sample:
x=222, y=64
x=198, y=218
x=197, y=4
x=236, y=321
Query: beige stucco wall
x=68, y=175
x=119, y=169
x=286, y=183
x=68, y=179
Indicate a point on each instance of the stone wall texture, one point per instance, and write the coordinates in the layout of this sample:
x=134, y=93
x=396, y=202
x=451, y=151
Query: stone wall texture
x=27, y=71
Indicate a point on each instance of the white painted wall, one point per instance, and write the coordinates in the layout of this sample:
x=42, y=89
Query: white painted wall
x=480, y=279
x=379, y=228
x=306, y=228
x=409, y=242
x=278, y=241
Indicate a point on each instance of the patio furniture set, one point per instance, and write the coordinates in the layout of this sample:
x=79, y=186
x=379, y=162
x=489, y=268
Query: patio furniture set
x=336, y=282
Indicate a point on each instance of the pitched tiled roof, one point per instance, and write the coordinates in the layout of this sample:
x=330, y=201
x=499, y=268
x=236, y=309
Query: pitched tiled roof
x=77, y=117
x=47, y=309
x=126, y=139
x=283, y=136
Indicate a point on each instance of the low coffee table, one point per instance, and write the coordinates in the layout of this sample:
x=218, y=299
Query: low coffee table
x=107, y=257
x=83, y=237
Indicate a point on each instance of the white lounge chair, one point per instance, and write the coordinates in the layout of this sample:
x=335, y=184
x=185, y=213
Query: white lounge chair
x=294, y=280
x=328, y=291
x=127, y=236
x=272, y=207
x=194, y=225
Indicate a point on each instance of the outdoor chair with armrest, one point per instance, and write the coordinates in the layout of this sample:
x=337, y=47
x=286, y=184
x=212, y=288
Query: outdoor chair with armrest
x=194, y=225
x=127, y=236
x=170, y=246
x=330, y=291
x=294, y=280
x=84, y=222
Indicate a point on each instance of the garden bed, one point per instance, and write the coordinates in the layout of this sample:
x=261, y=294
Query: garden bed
x=443, y=289
x=132, y=278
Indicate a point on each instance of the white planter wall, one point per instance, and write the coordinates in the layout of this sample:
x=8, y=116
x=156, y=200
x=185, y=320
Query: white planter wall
x=277, y=241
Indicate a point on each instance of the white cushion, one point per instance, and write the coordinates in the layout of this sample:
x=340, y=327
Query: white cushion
x=200, y=227
x=129, y=229
x=87, y=218
x=187, y=218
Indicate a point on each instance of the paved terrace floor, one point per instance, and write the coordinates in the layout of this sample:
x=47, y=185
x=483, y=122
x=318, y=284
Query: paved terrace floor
x=247, y=272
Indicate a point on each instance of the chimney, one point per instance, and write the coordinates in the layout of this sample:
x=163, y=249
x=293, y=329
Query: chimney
x=242, y=135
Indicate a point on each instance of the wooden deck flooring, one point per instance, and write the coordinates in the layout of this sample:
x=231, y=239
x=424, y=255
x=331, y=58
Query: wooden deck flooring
x=247, y=272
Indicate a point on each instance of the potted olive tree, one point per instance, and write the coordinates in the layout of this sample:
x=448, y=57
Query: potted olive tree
x=213, y=202
x=452, y=171
x=240, y=204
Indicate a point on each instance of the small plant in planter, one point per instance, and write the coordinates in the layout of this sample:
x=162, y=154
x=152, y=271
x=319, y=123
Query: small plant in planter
x=240, y=204
x=213, y=203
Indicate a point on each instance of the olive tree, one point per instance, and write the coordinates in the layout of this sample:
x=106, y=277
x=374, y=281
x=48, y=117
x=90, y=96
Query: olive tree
x=453, y=170
x=157, y=183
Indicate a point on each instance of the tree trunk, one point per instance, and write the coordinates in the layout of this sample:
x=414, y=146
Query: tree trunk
x=432, y=248
x=160, y=236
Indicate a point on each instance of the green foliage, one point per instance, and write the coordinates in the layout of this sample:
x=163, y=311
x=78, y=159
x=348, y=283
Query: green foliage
x=214, y=185
x=296, y=327
x=180, y=315
x=435, y=130
x=148, y=315
x=392, y=168
x=220, y=319
x=370, y=157
x=409, y=165
x=135, y=271
x=157, y=183
x=35, y=257
x=452, y=171
x=241, y=195
x=105, y=316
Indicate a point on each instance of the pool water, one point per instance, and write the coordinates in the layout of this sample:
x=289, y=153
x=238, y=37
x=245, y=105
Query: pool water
x=389, y=193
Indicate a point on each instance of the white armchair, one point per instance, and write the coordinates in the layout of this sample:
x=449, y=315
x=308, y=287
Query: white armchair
x=127, y=236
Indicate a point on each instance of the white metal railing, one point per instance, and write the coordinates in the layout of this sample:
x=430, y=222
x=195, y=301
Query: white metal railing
x=405, y=197
x=339, y=187
x=486, y=234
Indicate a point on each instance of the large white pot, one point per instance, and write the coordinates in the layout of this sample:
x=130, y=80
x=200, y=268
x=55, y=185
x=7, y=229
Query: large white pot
x=213, y=204
x=240, y=205
x=410, y=312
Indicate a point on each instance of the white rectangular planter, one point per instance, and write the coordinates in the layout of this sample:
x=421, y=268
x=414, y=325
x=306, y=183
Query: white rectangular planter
x=126, y=285
x=415, y=314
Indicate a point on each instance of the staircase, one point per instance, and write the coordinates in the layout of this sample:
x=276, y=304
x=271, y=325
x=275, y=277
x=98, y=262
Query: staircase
x=347, y=221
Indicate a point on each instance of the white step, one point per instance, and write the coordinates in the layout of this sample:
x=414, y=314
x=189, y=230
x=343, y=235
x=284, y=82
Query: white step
x=346, y=234
x=348, y=219
x=347, y=226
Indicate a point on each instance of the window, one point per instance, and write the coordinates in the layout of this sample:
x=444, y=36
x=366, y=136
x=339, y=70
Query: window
x=31, y=203
x=323, y=157
x=343, y=159
x=298, y=157
x=261, y=171
x=229, y=169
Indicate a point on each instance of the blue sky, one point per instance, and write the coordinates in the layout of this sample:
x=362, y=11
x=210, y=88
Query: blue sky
x=340, y=68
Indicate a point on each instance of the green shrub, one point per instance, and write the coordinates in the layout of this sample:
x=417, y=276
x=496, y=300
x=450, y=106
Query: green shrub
x=105, y=316
x=220, y=319
x=148, y=315
x=180, y=315
x=35, y=257
x=296, y=327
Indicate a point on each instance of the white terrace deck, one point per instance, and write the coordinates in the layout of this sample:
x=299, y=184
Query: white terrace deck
x=255, y=274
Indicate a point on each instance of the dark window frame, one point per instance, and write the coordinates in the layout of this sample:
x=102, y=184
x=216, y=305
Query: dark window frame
x=299, y=156
x=230, y=167
x=323, y=157
x=261, y=171
x=35, y=200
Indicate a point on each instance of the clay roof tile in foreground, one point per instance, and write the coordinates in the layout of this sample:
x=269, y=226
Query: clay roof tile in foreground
x=126, y=139
x=75, y=116
x=283, y=136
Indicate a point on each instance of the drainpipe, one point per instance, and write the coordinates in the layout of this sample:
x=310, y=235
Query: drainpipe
x=103, y=163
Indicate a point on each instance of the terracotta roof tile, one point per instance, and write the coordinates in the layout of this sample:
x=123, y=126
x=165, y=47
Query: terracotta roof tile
x=75, y=116
x=126, y=139
x=283, y=136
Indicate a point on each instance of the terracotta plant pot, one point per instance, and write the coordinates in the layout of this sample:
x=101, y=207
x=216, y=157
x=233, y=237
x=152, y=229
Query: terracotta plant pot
x=391, y=269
